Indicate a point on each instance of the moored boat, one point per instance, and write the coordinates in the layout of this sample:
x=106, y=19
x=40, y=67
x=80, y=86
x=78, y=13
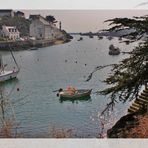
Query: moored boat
x=33, y=48
x=80, y=39
x=8, y=74
x=80, y=93
x=110, y=37
x=100, y=37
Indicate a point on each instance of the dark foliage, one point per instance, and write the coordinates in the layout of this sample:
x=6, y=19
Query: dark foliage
x=22, y=24
x=51, y=19
x=129, y=75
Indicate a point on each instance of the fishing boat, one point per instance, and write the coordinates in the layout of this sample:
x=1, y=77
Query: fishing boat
x=8, y=74
x=33, y=48
x=80, y=39
x=110, y=37
x=91, y=36
x=81, y=93
x=100, y=37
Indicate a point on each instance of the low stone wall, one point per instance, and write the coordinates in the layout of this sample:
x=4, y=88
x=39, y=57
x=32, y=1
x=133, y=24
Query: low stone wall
x=24, y=45
x=14, y=45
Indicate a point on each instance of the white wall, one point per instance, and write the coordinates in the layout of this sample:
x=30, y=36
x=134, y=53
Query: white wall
x=10, y=35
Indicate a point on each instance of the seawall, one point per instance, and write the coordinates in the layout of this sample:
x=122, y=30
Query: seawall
x=24, y=45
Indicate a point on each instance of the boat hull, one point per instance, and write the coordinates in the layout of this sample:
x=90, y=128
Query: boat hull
x=7, y=75
x=78, y=95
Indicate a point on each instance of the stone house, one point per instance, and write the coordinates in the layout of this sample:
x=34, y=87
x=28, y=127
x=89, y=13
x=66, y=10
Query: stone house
x=40, y=28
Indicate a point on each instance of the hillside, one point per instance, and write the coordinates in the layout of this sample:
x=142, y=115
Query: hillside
x=22, y=24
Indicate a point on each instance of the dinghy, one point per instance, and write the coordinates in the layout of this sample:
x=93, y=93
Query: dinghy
x=80, y=93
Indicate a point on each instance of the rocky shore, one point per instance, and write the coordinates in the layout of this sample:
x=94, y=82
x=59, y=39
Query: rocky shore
x=130, y=126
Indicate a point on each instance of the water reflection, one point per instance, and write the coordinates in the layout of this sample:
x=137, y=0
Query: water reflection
x=82, y=99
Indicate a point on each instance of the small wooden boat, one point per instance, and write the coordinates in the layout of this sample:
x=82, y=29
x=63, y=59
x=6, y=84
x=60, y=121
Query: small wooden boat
x=110, y=37
x=91, y=36
x=8, y=74
x=33, y=48
x=80, y=39
x=81, y=93
x=100, y=37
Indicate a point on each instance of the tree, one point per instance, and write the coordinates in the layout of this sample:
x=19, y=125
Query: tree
x=22, y=24
x=129, y=75
x=51, y=19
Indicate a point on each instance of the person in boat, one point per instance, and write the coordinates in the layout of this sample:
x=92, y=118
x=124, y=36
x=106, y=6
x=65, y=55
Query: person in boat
x=71, y=90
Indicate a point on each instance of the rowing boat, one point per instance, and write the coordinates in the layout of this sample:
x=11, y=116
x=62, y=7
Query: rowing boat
x=81, y=93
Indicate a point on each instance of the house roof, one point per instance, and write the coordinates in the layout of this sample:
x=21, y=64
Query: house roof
x=43, y=20
x=5, y=10
x=19, y=12
x=34, y=16
x=10, y=27
x=40, y=18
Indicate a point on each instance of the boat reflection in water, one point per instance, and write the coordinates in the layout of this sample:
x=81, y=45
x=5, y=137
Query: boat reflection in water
x=82, y=99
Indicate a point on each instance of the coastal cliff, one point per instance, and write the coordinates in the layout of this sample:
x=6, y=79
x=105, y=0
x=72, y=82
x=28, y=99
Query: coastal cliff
x=130, y=126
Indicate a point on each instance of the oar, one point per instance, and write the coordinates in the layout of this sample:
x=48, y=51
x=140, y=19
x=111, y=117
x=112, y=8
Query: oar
x=58, y=90
x=55, y=90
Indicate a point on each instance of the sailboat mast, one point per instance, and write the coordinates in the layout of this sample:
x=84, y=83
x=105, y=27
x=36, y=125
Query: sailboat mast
x=1, y=64
x=14, y=60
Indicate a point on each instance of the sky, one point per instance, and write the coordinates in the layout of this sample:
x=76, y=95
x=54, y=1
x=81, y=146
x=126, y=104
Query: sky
x=74, y=4
x=77, y=21
x=85, y=20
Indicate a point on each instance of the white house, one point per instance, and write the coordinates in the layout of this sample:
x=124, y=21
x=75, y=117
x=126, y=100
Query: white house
x=40, y=28
x=11, y=32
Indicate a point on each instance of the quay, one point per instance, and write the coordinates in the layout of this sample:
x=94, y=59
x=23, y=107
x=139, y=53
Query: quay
x=23, y=45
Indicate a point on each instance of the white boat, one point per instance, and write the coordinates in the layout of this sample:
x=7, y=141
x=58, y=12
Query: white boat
x=6, y=75
x=33, y=48
x=10, y=74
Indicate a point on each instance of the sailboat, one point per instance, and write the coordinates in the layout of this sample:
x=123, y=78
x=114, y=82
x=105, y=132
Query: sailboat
x=5, y=74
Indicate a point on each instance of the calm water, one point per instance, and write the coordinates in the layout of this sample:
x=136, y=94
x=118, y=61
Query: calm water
x=39, y=110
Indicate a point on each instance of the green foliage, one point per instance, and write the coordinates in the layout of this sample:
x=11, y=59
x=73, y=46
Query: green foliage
x=51, y=18
x=22, y=24
x=129, y=75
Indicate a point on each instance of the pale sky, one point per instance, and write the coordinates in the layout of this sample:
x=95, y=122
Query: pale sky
x=73, y=4
x=85, y=20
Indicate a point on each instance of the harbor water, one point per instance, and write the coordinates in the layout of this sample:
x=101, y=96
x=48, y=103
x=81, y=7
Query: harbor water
x=39, y=111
